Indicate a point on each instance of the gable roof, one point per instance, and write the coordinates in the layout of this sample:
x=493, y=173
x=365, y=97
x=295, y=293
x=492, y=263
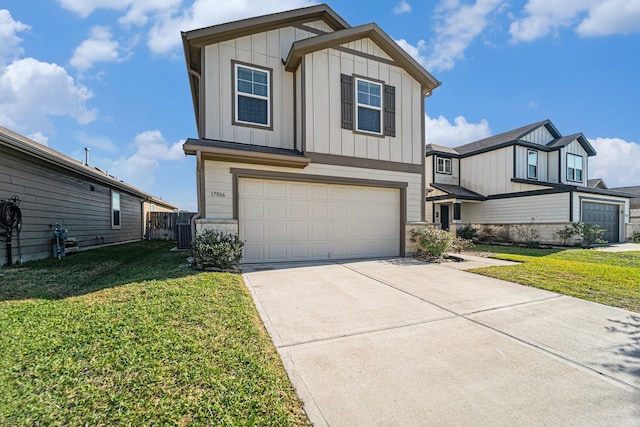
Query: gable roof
x=434, y=148
x=506, y=138
x=371, y=31
x=193, y=41
x=22, y=144
x=516, y=136
x=597, y=183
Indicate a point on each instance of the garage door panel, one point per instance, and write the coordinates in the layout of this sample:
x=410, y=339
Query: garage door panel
x=605, y=215
x=315, y=221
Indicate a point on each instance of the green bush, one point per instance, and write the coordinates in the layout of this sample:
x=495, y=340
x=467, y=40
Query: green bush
x=636, y=237
x=528, y=235
x=435, y=242
x=592, y=234
x=568, y=232
x=467, y=232
x=217, y=249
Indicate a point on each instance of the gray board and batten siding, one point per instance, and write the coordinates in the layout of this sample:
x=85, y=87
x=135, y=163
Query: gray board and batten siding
x=55, y=189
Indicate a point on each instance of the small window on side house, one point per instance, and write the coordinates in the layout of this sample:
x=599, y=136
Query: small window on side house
x=115, y=210
x=574, y=167
x=532, y=164
x=443, y=165
x=252, y=96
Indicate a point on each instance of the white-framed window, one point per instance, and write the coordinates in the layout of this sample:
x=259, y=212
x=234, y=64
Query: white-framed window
x=574, y=167
x=252, y=95
x=443, y=165
x=532, y=164
x=368, y=106
x=115, y=210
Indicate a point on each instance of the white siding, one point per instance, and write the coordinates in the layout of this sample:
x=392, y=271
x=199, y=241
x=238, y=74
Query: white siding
x=549, y=208
x=320, y=25
x=539, y=136
x=219, y=186
x=552, y=166
x=491, y=173
x=452, y=178
x=522, y=163
x=265, y=50
x=369, y=47
x=324, y=133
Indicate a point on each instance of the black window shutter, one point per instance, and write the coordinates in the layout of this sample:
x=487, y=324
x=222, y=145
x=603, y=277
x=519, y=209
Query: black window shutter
x=389, y=110
x=347, y=101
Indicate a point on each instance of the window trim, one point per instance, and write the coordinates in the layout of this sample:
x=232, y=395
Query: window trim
x=357, y=104
x=444, y=167
x=235, y=94
x=529, y=152
x=581, y=180
x=115, y=226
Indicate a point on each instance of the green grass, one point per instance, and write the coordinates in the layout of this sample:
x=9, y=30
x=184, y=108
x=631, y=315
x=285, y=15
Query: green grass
x=128, y=335
x=604, y=277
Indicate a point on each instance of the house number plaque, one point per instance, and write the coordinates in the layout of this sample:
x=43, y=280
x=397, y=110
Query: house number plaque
x=218, y=194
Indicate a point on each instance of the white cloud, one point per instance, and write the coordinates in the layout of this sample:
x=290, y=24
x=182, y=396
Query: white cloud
x=440, y=131
x=616, y=162
x=611, y=17
x=458, y=25
x=32, y=91
x=99, y=47
x=9, y=41
x=84, y=8
x=402, y=7
x=39, y=138
x=587, y=17
x=151, y=150
x=93, y=140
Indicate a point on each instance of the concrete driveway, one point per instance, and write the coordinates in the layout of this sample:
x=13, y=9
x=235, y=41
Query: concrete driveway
x=399, y=342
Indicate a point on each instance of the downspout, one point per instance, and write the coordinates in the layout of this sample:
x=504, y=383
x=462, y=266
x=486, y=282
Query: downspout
x=144, y=219
x=199, y=192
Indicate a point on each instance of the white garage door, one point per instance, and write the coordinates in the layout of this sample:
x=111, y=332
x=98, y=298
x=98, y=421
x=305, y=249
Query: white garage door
x=291, y=221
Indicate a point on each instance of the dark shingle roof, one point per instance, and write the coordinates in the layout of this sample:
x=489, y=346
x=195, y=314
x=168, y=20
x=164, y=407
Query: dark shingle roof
x=241, y=147
x=634, y=202
x=504, y=138
x=596, y=183
x=433, y=148
x=566, y=140
x=458, y=192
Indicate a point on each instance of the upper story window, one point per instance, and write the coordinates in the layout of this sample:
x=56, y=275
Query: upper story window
x=443, y=165
x=574, y=168
x=115, y=210
x=368, y=106
x=252, y=95
x=532, y=164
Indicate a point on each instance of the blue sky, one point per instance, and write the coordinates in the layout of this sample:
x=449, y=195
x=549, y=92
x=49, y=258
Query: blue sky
x=110, y=75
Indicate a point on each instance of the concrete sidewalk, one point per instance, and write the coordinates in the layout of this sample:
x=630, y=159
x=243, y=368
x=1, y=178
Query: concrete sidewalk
x=400, y=342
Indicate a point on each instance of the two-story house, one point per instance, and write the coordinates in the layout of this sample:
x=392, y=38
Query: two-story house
x=311, y=140
x=531, y=176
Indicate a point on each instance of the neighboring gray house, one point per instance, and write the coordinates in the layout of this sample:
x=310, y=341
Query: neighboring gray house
x=634, y=205
x=531, y=176
x=95, y=208
x=310, y=135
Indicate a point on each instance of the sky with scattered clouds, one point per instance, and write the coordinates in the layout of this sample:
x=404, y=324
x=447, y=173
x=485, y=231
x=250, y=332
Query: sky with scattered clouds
x=110, y=75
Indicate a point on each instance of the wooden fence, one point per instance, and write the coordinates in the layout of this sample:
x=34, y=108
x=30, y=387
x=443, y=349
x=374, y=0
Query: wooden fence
x=170, y=226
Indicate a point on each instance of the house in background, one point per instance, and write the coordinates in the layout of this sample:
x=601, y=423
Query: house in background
x=311, y=138
x=634, y=204
x=532, y=176
x=94, y=207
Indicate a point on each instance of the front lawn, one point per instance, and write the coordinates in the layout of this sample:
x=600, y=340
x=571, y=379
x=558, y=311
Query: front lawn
x=128, y=335
x=603, y=277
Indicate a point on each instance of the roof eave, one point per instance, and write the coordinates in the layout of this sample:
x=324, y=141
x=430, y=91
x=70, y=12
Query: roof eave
x=228, y=154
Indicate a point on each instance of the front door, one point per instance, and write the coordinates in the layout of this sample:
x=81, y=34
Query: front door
x=444, y=217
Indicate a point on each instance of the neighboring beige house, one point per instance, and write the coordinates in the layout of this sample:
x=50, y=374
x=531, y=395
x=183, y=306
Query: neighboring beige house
x=531, y=177
x=94, y=207
x=311, y=138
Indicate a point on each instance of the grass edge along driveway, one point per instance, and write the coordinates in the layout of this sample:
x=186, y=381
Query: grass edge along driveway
x=128, y=335
x=607, y=278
